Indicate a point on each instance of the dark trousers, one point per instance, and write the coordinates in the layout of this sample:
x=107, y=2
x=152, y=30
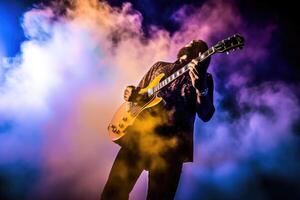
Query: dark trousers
x=164, y=174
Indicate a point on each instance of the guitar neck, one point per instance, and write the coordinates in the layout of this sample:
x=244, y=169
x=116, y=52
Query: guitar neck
x=180, y=72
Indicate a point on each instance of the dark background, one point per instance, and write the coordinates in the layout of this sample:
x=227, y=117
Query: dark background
x=284, y=60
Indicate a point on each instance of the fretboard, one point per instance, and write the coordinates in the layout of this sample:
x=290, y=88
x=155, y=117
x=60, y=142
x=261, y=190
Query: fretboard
x=180, y=72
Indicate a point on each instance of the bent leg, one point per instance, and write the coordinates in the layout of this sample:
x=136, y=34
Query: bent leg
x=163, y=182
x=123, y=175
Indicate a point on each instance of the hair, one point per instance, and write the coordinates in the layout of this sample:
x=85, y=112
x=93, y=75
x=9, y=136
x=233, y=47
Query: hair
x=192, y=51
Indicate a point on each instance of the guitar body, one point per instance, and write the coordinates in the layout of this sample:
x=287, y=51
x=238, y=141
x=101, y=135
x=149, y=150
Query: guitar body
x=127, y=113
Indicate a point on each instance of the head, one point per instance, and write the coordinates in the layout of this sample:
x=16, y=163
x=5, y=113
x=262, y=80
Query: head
x=192, y=50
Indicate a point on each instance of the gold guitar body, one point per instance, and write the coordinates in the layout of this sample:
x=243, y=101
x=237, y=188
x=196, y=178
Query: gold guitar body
x=129, y=111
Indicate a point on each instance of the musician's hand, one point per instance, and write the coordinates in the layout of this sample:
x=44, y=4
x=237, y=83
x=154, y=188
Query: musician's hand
x=128, y=92
x=131, y=93
x=198, y=78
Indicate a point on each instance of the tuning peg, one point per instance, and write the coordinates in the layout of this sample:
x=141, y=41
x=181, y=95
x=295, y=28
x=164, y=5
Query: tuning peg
x=227, y=52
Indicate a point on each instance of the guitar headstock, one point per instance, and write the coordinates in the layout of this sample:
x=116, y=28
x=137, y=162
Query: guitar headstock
x=232, y=43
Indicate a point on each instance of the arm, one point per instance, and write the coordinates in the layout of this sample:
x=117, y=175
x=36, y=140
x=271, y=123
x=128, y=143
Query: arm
x=203, y=84
x=131, y=92
x=204, y=98
x=146, y=78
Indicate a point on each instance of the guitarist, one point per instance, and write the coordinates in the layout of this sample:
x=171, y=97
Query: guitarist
x=188, y=95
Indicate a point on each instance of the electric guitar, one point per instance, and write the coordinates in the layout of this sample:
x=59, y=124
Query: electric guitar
x=129, y=111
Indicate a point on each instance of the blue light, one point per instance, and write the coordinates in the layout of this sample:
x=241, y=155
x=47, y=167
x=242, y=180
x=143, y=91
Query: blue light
x=11, y=33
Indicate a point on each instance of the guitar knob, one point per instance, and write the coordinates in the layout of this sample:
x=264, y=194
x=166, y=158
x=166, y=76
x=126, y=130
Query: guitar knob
x=110, y=126
x=121, y=125
x=113, y=128
x=124, y=119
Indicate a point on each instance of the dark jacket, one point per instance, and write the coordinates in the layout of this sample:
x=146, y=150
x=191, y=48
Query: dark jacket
x=178, y=109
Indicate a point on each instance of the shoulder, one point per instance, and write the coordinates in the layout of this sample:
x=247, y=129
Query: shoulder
x=159, y=67
x=161, y=64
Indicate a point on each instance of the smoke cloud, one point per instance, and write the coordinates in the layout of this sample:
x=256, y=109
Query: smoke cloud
x=58, y=95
